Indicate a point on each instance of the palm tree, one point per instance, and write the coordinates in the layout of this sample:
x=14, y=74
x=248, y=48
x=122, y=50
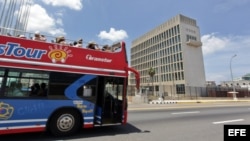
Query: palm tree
x=151, y=73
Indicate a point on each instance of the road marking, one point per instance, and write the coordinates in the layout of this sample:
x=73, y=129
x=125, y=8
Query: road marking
x=193, y=112
x=228, y=121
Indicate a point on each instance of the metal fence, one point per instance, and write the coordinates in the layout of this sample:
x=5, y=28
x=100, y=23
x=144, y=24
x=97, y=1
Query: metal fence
x=189, y=92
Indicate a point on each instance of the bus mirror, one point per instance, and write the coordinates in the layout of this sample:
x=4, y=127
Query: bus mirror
x=137, y=77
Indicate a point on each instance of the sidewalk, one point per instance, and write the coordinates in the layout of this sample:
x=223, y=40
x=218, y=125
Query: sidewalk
x=142, y=100
x=183, y=103
x=211, y=100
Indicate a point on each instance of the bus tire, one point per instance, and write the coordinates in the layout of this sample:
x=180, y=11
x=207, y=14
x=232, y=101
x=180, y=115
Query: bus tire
x=65, y=122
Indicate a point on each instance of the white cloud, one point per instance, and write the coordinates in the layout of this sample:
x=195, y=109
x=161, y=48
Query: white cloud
x=211, y=43
x=39, y=20
x=113, y=35
x=72, y=4
x=218, y=50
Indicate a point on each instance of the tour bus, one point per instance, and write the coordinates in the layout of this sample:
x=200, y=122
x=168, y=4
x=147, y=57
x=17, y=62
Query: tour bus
x=46, y=86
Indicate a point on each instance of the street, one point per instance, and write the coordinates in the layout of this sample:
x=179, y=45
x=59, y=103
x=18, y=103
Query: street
x=179, y=122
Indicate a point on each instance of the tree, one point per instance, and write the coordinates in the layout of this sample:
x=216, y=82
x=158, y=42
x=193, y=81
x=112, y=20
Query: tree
x=151, y=73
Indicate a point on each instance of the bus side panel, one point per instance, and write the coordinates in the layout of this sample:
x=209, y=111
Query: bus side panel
x=18, y=116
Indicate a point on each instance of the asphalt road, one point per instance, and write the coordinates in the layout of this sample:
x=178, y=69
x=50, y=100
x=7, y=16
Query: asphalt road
x=180, y=122
x=195, y=122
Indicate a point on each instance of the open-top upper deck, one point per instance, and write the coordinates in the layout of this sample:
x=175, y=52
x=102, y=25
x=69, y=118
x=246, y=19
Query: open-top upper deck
x=26, y=53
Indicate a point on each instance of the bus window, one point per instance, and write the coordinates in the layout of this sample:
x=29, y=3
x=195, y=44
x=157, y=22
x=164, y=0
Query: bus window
x=88, y=90
x=114, y=86
x=76, y=83
x=59, y=81
x=14, y=89
x=18, y=83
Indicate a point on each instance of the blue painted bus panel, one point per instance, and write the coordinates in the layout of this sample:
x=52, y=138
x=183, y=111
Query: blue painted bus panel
x=36, y=111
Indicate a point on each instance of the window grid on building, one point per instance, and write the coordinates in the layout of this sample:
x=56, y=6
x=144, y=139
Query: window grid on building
x=165, y=48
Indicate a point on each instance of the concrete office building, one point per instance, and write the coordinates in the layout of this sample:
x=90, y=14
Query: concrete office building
x=174, y=51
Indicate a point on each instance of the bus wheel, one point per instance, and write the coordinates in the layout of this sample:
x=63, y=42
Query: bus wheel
x=65, y=122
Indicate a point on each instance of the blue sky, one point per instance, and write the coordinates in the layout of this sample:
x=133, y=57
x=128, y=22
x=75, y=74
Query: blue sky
x=224, y=25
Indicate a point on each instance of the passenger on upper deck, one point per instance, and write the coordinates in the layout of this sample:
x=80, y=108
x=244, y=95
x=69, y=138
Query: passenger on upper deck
x=61, y=40
x=37, y=36
x=107, y=48
x=74, y=43
x=43, y=38
x=78, y=43
x=21, y=36
x=93, y=45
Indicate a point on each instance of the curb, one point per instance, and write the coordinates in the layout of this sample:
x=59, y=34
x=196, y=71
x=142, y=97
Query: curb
x=190, y=101
x=162, y=102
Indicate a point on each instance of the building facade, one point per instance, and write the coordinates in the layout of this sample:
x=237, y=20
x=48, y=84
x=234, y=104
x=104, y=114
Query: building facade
x=174, y=50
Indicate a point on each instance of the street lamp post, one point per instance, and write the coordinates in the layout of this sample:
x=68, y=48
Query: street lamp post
x=234, y=93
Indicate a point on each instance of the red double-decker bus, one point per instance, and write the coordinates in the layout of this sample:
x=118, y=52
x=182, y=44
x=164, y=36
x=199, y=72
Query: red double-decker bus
x=59, y=88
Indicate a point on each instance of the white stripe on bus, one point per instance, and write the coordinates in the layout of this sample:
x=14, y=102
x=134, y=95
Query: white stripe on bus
x=88, y=117
x=99, y=117
x=21, y=127
x=23, y=121
x=59, y=65
x=88, y=123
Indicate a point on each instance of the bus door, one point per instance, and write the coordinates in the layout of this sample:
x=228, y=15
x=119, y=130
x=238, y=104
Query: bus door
x=111, y=99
